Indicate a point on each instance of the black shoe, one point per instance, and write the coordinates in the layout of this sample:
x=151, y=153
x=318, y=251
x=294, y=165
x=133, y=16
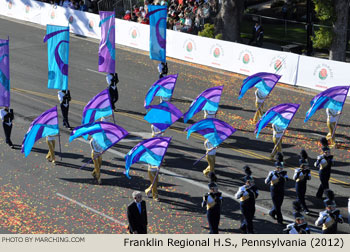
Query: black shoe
x=243, y=228
x=280, y=222
x=273, y=216
x=115, y=110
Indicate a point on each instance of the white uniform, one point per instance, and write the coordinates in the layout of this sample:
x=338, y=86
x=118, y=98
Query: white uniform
x=332, y=115
x=209, y=146
x=209, y=114
x=277, y=131
x=3, y=113
x=260, y=96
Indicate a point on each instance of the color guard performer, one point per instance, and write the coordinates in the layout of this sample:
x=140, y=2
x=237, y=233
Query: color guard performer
x=329, y=218
x=332, y=118
x=259, y=104
x=153, y=172
x=156, y=132
x=301, y=176
x=162, y=69
x=112, y=80
x=277, y=179
x=7, y=117
x=247, y=195
x=213, y=201
x=211, y=152
x=277, y=134
x=64, y=98
x=96, y=155
x=209, y=114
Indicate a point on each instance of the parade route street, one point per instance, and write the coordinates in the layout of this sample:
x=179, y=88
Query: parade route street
x=39, y=197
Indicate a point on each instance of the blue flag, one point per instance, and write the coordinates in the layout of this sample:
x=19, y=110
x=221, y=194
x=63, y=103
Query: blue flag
x=157, y=20
x=57, y=38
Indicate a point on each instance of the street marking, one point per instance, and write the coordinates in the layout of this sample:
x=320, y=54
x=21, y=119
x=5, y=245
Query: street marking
x=315, y=134
x=95, y=71
x=187, y=98
x=91, y=209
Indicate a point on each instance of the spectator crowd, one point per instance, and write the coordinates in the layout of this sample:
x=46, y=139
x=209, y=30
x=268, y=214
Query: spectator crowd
x=183, y=15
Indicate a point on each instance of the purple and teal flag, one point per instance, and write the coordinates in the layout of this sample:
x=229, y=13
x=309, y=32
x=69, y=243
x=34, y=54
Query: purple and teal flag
x=332, y=98
x=150, y=151
x=44, y=125
x=163, y=115
x=265, y=82
x=215, y=130
x=4, y=73
x=57, y=38
x=97, y=107
x=280, y=115
x=163, y=87
x=208, y=100
x=106, y=134
x=157, y=20
x=106, y=51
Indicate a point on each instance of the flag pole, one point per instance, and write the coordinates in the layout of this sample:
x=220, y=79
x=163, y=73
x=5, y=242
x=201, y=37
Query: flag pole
x=278, y=142
x=59, y=136
x=206, y=153
x=59, y=143
x=336, y=123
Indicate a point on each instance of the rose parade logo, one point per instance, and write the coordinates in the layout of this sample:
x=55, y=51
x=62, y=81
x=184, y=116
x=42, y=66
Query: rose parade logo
x=216, y=52
x=27, y=9
x=9, y=6
x=91, y=24
x=278, y=64
x=246, y=58
x=134, y=34
x=52, y=15
x=189, y=47
x=71, y=19
x=323, y=72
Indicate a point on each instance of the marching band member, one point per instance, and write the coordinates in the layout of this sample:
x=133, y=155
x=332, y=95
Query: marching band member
x=213, y=201
x=7, y=117
x=112, y=80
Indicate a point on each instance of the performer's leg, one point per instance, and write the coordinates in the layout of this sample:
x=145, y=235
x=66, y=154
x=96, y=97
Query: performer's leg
x=332, y=136
x=258, y=112
x=211, y=164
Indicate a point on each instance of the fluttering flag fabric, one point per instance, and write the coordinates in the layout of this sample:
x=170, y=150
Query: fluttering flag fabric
x=207, y=100
x=57, y=38
x=4, y=73
x=106, y=134
x=280, y=115
x=163, y=115
x=97, y=107
x=157, y=20
x=265, y=82
x=163, y=87
x=150, y=151
x=215, y=130
x=44, y=125
x=106, y=51
x=332, y=98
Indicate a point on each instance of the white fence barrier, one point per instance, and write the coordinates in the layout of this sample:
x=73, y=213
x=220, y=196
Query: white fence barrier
x=239, y=58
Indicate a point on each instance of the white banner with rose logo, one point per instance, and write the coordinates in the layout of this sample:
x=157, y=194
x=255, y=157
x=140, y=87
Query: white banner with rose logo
x=303, y=71
x=321, y=74
x=249, y=60
x=132, y=34
x=53, y=15
x=12, y=8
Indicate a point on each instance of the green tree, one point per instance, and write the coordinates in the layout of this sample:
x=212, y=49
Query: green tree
x=229, y=19
x=208, y=31
x=333, y=13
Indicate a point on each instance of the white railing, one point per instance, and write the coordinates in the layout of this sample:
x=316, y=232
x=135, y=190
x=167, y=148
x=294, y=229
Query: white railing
x=297, y=70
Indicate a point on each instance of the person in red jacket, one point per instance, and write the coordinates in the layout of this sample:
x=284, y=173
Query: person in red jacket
x=127, y=15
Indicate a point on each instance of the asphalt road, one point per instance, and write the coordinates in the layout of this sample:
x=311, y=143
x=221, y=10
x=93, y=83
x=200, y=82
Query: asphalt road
x=37, y=197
